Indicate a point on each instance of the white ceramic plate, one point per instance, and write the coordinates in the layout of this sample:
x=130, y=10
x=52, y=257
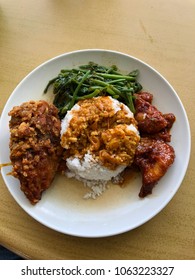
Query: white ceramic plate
x=62, y=207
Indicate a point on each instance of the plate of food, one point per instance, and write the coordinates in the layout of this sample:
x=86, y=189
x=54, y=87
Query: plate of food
x=92, y=143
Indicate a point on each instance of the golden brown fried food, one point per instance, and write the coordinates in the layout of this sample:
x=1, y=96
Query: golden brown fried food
x=34, y=146
x=153, y=157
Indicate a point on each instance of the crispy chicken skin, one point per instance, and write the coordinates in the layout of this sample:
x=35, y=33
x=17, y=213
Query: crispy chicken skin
x=153, y=157
x=34, y=146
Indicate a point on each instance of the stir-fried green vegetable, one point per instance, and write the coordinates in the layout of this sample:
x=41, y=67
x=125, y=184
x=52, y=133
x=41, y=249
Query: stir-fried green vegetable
x=92, y=80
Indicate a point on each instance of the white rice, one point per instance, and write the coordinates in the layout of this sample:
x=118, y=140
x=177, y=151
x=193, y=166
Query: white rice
x=90, y=169
x=131, y=127
x=92, y=173
x=117, y=107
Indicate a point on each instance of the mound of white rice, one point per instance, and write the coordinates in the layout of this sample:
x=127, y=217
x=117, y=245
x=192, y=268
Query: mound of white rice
x=87, y=169
x=91, y=173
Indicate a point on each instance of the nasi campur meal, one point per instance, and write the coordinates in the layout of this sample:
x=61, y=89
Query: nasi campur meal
x=100, y=125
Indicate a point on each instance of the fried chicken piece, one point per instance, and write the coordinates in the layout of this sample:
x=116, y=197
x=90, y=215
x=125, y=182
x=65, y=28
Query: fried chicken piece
x=147, y=96
x=151, y=122
x=34, y=146
x=163, y=134
x=153, y=157
x=150, y=119
x=170, y=118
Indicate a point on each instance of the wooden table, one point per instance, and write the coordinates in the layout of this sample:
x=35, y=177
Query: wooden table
x=160, y=33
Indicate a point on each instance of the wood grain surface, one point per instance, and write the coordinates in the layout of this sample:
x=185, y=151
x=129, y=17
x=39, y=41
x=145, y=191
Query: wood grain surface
x=160, y=33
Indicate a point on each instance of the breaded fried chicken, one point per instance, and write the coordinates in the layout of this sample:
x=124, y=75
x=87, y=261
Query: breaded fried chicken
x=34, y=146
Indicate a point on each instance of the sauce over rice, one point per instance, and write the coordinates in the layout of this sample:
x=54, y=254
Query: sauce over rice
x=103, y=127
